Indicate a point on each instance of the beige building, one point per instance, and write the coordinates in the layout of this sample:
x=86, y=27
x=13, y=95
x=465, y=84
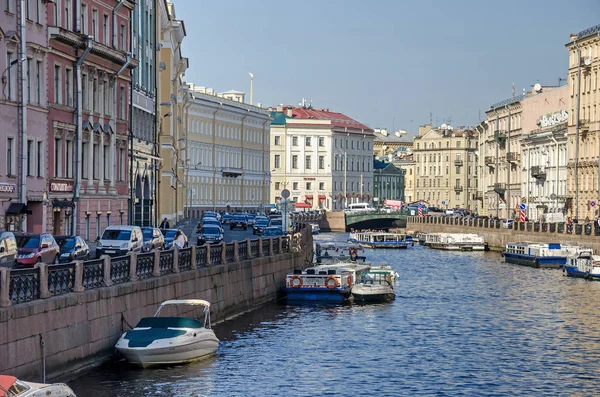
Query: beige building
x=173, y=100
x=227, y=146
x=584, y=123
x=445, y=162
x=407, y=163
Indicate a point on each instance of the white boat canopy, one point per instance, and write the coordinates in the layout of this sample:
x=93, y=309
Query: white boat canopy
x=191, y=302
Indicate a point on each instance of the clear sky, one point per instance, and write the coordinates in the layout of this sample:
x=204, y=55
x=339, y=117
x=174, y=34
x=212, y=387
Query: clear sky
x=386, y=63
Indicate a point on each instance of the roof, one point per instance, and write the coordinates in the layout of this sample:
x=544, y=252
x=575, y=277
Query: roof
x=279, y=118
x=508, y=101
x=338, y=120
x=232, y=91
x=193, y=302
x=6, y=382
x=392, y=138
x=588, y=32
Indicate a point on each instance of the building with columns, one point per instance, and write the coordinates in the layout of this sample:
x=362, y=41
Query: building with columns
x=89, y=79
x=173, y=101
x=407, y=164
x=227, y=149
x=324, y=158
x=584, y=123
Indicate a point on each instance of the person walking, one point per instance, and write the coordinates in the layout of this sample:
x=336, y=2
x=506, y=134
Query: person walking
x=165, y=224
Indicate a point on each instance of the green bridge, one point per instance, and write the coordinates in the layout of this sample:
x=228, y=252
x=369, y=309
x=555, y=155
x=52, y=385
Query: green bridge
x=376, y=219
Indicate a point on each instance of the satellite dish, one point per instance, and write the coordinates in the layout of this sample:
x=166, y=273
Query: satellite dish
x=537, y=87
x=587, y=61
x=443, y=126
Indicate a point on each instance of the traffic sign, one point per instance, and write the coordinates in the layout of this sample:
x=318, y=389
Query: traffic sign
x=443, y=202
x=523, y=206
x=592, y=203
x=285, y=193
x=420, y=205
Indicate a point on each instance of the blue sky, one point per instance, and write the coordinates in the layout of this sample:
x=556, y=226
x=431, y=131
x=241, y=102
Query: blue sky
x=385, y=63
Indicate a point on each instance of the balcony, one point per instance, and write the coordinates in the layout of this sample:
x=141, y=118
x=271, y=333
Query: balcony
x=458, y=189
x=500, y=188
x=490, y=160
x=458, y=162
x=584, y=125
x=538, y=171
x=500, y=137
x=513, y=157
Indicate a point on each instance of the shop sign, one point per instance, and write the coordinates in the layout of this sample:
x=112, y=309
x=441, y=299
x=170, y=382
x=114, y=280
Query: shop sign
x=7, y=187
x=309, y=179
x=61, y=186
x=550, y=119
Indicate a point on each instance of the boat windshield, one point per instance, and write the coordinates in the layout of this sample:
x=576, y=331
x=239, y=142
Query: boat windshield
x=169, y=322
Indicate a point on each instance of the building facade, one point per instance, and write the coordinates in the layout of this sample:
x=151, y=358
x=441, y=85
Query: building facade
x=584, y=123
x=386, y=144
x=446, y=172
x=407, y=164
x=323, y=158
x=143, y=143
x=173, y=100
x=89, y=79
x=227, y=167
x=28, y=173
x=388, y=182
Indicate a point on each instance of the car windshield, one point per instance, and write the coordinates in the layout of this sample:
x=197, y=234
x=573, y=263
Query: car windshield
x=66, y=243
x=239, y=218
x=261, y=222
x=210, y=220
x=170, y=233
x=251, y=216
x=148, y=233
x=210, y=230
x=276, y=222
x=28, y=241
x=116, y=235
x=227, y=216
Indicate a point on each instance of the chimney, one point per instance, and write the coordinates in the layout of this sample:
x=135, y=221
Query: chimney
x=280, y=108
x=289, y=111
x=573, y=37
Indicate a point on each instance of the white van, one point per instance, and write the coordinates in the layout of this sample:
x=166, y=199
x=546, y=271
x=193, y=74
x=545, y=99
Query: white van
x=119, y=240
x=355, y=207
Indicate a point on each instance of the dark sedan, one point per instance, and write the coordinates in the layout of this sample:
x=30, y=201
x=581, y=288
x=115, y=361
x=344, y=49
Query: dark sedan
x=259, y=225
x=153, y=238
x=72, y=249
x=239, y=220
x=210, y=234
x=273, y=231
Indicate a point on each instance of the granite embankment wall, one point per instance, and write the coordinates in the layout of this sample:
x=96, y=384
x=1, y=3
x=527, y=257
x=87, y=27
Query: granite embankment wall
x=333, y=222
x=76, y=331
x=497, y=238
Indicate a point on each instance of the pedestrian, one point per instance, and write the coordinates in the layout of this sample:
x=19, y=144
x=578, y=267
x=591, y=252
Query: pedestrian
x=165, y=224
x=180, y=240
x=569, y=221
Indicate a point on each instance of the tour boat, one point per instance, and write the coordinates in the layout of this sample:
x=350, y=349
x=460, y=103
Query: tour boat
x=11, y=386
x=328, y=283
x=335, y=253
x=455, y=241
x=380, y=240
x=374, y=288
x=540, y=254
x=585, y=265
x=169, y=340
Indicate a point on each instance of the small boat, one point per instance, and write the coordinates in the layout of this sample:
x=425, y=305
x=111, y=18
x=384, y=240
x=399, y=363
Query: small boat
x=315, y=228
x=328, y=283
x=585, y=265
x=169, y=340
x=373, y=288
x=13, y=387
x=541, y=255
x=336, y=253
x=455, y=241
x=380, y=240
x=385, y=270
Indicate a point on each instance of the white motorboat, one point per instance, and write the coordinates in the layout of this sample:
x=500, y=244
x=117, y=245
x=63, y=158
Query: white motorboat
x=11, y=386
x=455, y=241
x=169, y=340
x=374, y=287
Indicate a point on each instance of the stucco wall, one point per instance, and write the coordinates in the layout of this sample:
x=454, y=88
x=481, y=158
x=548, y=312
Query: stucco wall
x=79, y=330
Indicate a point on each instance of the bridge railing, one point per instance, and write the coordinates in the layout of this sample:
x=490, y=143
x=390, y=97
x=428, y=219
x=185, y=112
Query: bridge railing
x=44, y=280
x=404, y=211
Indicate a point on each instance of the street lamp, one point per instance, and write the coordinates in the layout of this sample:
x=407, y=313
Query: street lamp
x=251, y=88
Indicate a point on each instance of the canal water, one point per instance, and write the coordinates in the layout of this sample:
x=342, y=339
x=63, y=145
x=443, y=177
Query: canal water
x=462, y=324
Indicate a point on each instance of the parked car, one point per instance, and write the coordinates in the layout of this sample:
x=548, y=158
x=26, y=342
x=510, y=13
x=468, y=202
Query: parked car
x=72, y=249
x=251, y=218
x=260, y=223
x=119, y=240
x=210, y=234
x=8, y=249
x=239, y=220
x=211, y=214
x=169, y=237
x=226, y=218
x=208, y=221
x=35, y=248
x=273, y=231
x=153, y=238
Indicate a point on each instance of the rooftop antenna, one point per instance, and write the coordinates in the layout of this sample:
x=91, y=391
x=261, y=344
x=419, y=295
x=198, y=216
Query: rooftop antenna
x=513, y=90
x=430, y=118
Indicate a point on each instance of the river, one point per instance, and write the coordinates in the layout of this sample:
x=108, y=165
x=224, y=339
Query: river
x=462, y=324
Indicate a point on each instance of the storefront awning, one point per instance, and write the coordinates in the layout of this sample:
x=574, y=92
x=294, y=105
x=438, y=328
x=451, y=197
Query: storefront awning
x=309, y=196
x=17, y=209
x=303, y=205
x=322, y=197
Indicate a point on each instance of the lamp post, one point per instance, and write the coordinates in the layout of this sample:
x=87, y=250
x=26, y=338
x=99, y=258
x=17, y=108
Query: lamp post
x=251, y=88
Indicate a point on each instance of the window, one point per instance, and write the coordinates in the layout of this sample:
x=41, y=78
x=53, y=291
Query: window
x=94, y=96
x=334, y=185
x=308, y=185
x=294, y=141
x=57, y=158
x=7, y=5
x=9, y=88
x=29, y=158
x=277, y=161
x=98, y=225
x=295, y=161
x=94, y=161
x=106, y=162
x=57, y=85
x=321, y=185
x=123, y=37
x=321, y=162
x=106, y=29
x=68, y=15
x=38, y=83
x=69, y=160
x=335, y=143
x=84, y=92
x=321, y=141
x=27, y=10
x=123, y=103
x=28, y=80
x=307, y=141
x=10, y=149
x=40, y=159
x=121, y=165
x=84, y=161
x=277, y=185
x=352, y=144
x=295, y=186
x=277, y=141
x=95, y=24
x=307, y=163
x=84, y=19
x=37, y=11
x=69, y=87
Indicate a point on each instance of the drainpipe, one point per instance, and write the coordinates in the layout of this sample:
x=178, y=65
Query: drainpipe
x=77, y=16
x=114, y=27
x=509, y=208
x=576, y=168
x=555, y=190
x=23, y=106
x=79, y=135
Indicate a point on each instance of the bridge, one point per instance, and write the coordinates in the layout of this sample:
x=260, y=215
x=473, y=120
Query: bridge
x=382, y=219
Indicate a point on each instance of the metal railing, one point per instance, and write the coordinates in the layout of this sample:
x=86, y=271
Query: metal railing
x=61, y=278
x=120, y=269
x=215, y=254
x=145, y=265
x=229, y=252
x=242, y=250
x=93, y=274
x=166, y=262
x=201, y=256
x=254, y=248
x=276, y=246
x=24, y=285
x=265, y=247
x=185, y=259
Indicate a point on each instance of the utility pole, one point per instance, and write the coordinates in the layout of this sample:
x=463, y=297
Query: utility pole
x=576, y=168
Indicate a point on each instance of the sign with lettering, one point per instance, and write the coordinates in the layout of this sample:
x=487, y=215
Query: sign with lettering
x=7, y=187
x=550, y=119
x=309, y=179
x=61, y=186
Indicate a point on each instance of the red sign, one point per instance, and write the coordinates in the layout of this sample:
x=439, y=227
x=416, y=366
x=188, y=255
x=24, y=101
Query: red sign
x=522, y=215
x=309, y=179
x=61, y=187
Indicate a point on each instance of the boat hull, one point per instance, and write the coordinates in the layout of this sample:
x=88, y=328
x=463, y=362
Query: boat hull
x=369, y=244
x=547, y=262
x=372, y=293
x=170, y=351
x=317, y=294
x=573, y=271
x=456, y=247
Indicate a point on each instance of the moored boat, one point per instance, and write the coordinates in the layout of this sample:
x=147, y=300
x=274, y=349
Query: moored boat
x=584, y=265
x=314, y=284
x=380, y=240
x=315, y=228
x=169, y=340
x=541, y=255
x=11, y=386
x=455, y=241
x=335, y=253
x=385, y=270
